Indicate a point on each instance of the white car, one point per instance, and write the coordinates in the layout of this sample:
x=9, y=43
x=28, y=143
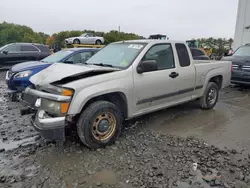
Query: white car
x=85, y=38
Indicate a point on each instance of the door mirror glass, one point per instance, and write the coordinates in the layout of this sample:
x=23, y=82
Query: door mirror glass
x=147, y=66
x=5, y=52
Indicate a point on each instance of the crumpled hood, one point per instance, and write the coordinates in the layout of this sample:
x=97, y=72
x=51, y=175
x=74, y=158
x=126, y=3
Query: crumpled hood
x=59, y=71
x=29, y=65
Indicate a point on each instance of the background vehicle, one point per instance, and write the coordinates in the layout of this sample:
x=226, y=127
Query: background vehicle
x=158, y=36
x=14, y=53
x=241, y=65
x=195, y=44
x=86, y=38
x=17, y=78
x=124, y=80
x=198, y=54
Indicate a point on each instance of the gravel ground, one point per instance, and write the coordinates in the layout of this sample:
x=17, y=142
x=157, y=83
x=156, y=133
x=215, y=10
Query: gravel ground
x=141, y=158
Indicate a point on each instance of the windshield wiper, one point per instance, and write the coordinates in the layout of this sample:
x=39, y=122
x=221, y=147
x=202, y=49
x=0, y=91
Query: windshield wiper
x=102, y=64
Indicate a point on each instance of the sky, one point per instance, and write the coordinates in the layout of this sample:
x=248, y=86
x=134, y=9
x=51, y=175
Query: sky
x=178, y=19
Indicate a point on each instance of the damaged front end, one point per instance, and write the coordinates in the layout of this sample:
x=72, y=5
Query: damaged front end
x=50, y=105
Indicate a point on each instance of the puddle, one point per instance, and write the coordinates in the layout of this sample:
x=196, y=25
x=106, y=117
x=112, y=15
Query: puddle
x=15, y=144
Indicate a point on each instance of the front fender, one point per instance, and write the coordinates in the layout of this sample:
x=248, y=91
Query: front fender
x=82, y=97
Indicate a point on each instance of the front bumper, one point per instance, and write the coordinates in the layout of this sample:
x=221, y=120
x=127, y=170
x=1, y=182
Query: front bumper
x=51, y=128
x=68, y=41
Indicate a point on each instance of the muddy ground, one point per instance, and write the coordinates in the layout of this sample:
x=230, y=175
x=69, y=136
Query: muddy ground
x=178, y=147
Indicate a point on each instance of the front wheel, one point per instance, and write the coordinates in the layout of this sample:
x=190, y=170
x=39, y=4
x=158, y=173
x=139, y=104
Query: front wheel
x=210, y=97
x=76, y=41
x=100, y=124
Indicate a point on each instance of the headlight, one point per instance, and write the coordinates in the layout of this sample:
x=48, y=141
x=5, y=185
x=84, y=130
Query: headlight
x=23, y=74
x=55, y=107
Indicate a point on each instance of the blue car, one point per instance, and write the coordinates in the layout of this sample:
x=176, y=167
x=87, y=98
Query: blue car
x=17, y=78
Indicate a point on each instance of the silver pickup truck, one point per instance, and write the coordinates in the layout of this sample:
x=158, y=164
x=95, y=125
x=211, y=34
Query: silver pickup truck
x=124, y=80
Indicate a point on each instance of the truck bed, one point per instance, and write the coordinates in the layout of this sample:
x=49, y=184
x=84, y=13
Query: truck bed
x=211, y=68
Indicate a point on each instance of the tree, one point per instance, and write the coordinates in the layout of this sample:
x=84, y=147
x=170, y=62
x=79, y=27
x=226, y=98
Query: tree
x=219, y=45
x=10, y=33
x=50, y=40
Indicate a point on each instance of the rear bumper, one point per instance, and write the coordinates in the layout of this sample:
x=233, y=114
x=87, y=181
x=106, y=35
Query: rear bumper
x=51, y=128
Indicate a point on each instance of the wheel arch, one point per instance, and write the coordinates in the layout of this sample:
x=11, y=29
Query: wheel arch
x=118, y=98
x=218, y=79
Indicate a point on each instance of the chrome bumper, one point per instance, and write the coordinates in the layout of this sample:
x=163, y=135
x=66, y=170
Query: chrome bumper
x=51, y=128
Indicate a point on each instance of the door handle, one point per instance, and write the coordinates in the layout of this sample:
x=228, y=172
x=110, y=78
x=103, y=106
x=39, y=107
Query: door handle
x=173, y=74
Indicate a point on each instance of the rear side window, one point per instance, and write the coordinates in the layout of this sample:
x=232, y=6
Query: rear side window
x=43, y=48
x=182, y=55
x=28, y=48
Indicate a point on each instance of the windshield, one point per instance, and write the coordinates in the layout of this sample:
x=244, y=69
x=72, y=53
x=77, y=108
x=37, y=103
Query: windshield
x=242, y=51
x=118, y=55
x=58, y=56
x=1, y=48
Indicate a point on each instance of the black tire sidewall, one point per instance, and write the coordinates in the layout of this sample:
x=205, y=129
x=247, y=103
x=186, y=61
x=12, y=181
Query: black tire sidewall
x=76, y=41
x=85, y=123
x=98, y=42
x=211, y=85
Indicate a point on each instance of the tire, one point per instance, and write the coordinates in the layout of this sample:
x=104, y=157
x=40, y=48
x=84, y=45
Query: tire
x=98, y=42
x=76, y=41
x=210, y=97
x=89, y=124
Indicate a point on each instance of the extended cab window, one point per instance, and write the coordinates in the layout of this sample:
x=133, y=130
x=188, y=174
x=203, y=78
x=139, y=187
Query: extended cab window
x=183, y=55
x=162, y=54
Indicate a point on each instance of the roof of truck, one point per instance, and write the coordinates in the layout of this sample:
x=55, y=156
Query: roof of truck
x=150, y=41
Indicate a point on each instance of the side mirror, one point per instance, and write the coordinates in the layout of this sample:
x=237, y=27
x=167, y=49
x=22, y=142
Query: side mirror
x=69, y=62
x=5, y=52
x=147, y=66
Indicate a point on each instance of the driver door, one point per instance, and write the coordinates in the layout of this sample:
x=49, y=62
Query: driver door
x=90, y=39
x=156, y=89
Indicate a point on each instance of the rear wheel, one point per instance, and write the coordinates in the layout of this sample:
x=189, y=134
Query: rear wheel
x=98, y=42
x=99, y=124
x=210, y=97
x=76, y=41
